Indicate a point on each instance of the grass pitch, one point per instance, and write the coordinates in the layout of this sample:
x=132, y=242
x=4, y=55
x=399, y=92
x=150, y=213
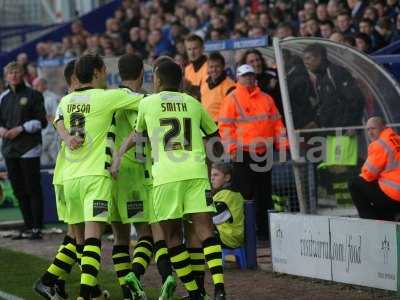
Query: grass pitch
x=18, y=272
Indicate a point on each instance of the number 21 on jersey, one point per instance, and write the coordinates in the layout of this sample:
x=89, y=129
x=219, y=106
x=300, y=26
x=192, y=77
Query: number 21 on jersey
x=172, y=138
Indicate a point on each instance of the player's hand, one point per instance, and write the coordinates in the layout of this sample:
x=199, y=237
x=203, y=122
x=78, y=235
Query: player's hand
x=115, y=166
x=13, y=132
x=3, y=132
x=73, y=142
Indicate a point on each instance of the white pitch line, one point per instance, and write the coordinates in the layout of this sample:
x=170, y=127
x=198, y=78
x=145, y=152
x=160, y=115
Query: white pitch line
x=7, y=296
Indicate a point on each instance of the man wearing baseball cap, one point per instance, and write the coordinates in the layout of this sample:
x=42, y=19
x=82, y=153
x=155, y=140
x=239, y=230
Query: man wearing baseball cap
x=249, y=123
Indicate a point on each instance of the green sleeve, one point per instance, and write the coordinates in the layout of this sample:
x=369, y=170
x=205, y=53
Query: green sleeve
x=207, y=124
x=131, y=116
x=140, y=122
x=123, y=99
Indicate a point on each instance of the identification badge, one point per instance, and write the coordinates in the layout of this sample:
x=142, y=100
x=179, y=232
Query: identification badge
x=23, y=101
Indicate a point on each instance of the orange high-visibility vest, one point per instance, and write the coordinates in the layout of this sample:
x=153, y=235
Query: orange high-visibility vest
x=251, y=121
x=383, y=163
x=196, y=77
x=212, y=98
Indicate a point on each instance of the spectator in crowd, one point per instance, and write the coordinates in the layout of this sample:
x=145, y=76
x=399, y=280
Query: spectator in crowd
x=216, y=86
x=284, y=30
x=249, y=122
x=113, y=29
x=396, y=29
x=376, y=192
x=366, y=27
x=340, y=101
x=267, y=78
x=303, y=30
x=379, y=5
x=2, y=86
x=22, y=60
x=392, y=8
x=371, y=13
x=49, y=135
x=310, y=7
x=326, y=29
x=337, y=37
x=343, y=24
x=155, y=25
x=384, y=28
x=228, y=19
x=196, y=71
x=77, y=29
x=313, y=27
x=135, y=41
x=349, y=41
x=22, y=117
x=322, y=13
x=363, y=42
x=333, y=8
x=229, y=218
x=31, y=73
x=357, y=8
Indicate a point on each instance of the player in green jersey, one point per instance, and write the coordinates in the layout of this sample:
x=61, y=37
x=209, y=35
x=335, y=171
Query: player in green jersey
x=127, y=199
x=174, y=123
x=52, y=283
x=88, y=113
x=131, y=198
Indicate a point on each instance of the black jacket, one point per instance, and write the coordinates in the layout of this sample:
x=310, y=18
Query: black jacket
x=301, y=93
x=340, y=100
x=16, y=109
x=268, y=82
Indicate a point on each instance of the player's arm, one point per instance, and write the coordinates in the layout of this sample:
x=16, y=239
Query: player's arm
x=223, y=213
x=128, y=144
x=212, y=137
x=72, y=142
x=124, y=100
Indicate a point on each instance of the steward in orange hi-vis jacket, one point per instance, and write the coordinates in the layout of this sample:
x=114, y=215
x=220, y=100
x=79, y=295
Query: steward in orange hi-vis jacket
x=249, y=123
x=196, y=71
x=248, y=119
x=216, y=86
x=376, y=192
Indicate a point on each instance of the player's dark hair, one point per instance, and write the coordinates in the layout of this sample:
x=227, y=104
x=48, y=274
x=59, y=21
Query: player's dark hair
x=170, y=75
x=161, y=59
x=69, y=71
x=130, y=67
x=86, y=65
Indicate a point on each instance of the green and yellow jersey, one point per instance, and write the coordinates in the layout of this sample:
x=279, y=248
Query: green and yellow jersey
x=89, y=114
x=174, y=123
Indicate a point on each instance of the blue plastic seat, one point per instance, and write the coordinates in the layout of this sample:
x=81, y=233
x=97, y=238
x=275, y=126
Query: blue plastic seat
x=240, y=256
x=246, y=255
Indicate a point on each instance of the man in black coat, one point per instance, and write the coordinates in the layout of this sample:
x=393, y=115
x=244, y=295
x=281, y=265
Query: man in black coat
x=22, y=117
x=340, y=101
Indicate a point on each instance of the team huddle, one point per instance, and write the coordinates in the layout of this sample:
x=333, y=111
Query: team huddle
x=127, y=157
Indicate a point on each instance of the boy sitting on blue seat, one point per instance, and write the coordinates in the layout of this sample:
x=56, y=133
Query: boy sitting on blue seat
x=229, y=218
